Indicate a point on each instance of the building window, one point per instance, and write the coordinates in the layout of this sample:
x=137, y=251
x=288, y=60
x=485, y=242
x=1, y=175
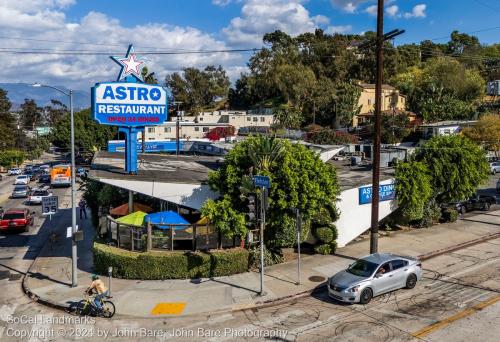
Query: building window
x=262, y=119
x=205, y=129
x=249, y=119
x=201, y=119
x=255, y=119
x=197, y=129
x=369, y=102
x=151, y=129
x=167, y=129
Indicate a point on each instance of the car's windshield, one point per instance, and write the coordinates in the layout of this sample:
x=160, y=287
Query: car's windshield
x=362, y=268
x=20, y=188
x=12, y=216
x=40, y=193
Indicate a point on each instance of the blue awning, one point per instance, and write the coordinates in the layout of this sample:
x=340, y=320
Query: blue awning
x=165, y=218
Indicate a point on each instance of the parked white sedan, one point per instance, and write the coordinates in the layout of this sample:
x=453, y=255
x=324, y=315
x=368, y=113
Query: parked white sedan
x=22, y=180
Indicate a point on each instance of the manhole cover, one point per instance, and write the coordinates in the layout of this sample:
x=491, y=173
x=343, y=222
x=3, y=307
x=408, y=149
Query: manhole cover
x=4, y=274
x=317, y=279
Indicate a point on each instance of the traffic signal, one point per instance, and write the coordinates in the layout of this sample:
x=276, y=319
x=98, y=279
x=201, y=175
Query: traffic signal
x=250, y=208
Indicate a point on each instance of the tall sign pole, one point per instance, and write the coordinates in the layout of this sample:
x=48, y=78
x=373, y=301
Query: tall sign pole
x=299, y=228
x=263, y=183
x=376, y=136
x=130, y=104
x=262, y=225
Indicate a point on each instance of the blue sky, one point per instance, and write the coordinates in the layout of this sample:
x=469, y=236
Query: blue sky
x=110, y=25
x=442, y=16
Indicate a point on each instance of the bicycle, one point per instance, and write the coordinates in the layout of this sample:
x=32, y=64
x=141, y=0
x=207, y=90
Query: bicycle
x=86, y=307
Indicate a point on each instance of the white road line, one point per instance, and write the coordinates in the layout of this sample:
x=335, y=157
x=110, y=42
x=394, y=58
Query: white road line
x=334, y=318
x=467, y=270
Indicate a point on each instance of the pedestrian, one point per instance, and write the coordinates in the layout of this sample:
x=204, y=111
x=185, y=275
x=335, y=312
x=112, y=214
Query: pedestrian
x=83, y=208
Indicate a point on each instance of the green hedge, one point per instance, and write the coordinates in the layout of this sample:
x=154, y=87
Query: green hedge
x=169, y=265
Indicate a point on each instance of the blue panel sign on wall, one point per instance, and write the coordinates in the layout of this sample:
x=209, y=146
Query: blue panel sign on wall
x=129, y=104
x=387, y=192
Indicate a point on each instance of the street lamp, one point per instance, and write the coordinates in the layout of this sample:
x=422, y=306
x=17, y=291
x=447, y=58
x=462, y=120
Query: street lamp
x=74, y=279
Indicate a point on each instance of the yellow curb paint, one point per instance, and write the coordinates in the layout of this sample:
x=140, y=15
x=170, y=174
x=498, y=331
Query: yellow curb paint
x=462, y=314
x=168, y=309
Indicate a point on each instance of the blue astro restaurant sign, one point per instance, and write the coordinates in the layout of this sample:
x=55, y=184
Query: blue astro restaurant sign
x=387, y=192
x=129, y=104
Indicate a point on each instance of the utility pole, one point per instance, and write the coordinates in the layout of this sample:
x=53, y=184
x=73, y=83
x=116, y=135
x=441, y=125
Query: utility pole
x=381, y=38
x=177, y=128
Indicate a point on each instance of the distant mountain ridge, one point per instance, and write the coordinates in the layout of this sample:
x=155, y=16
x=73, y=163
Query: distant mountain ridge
x=17, y=92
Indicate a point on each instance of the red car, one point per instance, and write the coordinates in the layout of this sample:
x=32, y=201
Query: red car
x=17, y=219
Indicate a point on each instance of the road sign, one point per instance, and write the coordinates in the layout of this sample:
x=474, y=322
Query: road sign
x=262, y=181
x=50, y=205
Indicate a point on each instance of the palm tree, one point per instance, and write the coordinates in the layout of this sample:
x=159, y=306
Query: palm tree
x=264, y=151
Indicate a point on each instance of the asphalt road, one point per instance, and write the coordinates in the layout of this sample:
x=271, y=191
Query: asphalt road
x=458, y=299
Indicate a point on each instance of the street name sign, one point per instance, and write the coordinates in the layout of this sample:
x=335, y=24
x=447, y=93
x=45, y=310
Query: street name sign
x=262, y=181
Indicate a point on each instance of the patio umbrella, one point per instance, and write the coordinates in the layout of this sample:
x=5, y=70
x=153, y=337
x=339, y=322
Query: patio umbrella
x=134, y=219
x=165, y=218
x=122, y=210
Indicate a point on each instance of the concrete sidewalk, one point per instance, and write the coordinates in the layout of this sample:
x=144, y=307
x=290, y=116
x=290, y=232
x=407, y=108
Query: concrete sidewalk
x=50, y=275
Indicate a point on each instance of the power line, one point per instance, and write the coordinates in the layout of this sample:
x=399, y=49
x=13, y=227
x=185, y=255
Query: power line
x=487, y=5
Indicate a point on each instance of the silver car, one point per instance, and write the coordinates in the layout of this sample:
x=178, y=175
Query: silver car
x=373, y=275
x=20, y=191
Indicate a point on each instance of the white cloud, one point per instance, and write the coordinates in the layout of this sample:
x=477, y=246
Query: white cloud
x=45, y=20
x=262, y=16
x=349, y=6
x=338, y=29
x=223, y=3
x=392, y=11
x=371, y=10
x=417, y=12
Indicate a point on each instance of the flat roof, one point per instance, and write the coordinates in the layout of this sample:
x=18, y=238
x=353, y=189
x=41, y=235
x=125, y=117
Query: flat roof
x=186, y=169
x=351, y=177
x=155, y=167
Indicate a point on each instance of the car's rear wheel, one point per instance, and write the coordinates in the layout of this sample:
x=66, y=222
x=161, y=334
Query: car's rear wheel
x=411, y=281
x=366, y=296
x=486, y=206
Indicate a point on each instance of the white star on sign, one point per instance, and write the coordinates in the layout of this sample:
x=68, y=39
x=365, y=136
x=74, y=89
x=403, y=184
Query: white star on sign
x=131, y=65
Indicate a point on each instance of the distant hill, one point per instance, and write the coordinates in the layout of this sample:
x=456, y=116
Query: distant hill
x=17, y=92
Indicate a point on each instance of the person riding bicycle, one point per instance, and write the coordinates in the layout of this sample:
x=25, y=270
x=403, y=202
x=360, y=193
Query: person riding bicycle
x=98, y=285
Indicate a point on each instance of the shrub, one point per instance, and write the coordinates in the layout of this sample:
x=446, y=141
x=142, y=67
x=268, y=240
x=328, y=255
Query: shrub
x=271, y=257
x=333, y=247
x=169, y=265
x=323, y=249
x=324, y=234
x=449, y=215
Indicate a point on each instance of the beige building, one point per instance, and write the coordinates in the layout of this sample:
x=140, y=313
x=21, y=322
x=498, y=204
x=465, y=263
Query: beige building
x=196, y=127
x=391, y=100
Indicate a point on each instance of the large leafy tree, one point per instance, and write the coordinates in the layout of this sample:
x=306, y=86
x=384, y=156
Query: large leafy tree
x=457, y=166
x=413, y=189
x=7, y=122
x=89, y=135
x=486, y=132
x=199, y=89
x=443, y=89
x=299, y=179
x=31, y=114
